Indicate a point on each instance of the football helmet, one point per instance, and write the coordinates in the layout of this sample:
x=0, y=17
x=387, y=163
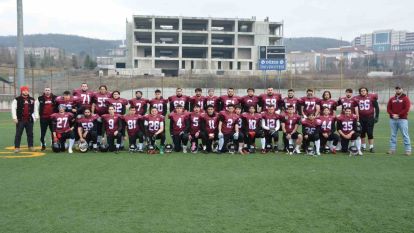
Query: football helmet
x=83, y=147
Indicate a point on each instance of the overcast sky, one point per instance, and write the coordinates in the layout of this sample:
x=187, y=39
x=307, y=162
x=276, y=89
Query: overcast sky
x=105, y=19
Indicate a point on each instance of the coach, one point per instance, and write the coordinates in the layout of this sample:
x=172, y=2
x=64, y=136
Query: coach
x=24, y=114
x=398, y=108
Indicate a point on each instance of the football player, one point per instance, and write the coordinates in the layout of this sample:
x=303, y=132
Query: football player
x=87, y=128
x=228, y=128
x=347, y=129
x=290, y=124
x=195, y=134
x=154, y=128
x=159, y=103
x=310, y=104
x=311, y=128
x=179, y=99
x=250, y=100
x=270, y=98
x=328, y=102
x=179, y=128
x=113, y=128
x=252, y=127
x=328, y=135
x=230, y=98
x=134, y=126
x=209, y=126
x=212, y=100
x=140, y=104
x=63, y=128
x=270, y=124
x=197, y=99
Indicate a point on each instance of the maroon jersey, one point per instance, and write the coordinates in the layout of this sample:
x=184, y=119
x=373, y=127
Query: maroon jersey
x=153, y=123
x=195, y=119
x=290, y=122
x=132, y=123
x=178, y=122
x=346, y=123
x=331, y=104
x=229, y=122
x=248, y=101
x=200, y=100
x=212, y=100
x=71, y=103
x=85, y=98
x=226, y=100
x=140, y=105
x=112, y=123
x=159, y=104
x=178, y=100
x=310, y=127
x=62, y=121
x=309, y=104
x=271, y=119
x=295, y=102
x=366, y=105
x=210, y=122
x=274, y=100
x=327, y=123
x=87, y=123
x=251, y=121
x=119, y=104
x=100, y=102
x=345, y=102
x=48, y=107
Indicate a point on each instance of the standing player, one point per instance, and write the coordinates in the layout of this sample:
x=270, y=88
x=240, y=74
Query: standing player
x=310, y=104
x=212, y=100
x=311, y=128
x=347, y=129
x=140, y=104
x=71, y=103
x=198, y=99
x=209, y=128
x=290, y=125
x=63, y=128
x=159, y=103
x=87, y=128
x=291, y=100
x=117, y=102
x=228, y=128
x=250, y=100
x=328, y=134
x=348, y=102
x=99, y=105
x=194, y=120
x=154, y=128
x=230, y=98
x=134, y=127
x=270, y=98
x=328, y=102
x=368, y=110
x=271, y=125
x=113, y=126
x=47, y=106
x=85, y=98
x=179, y=99
x=179, y=128
x=252, y=127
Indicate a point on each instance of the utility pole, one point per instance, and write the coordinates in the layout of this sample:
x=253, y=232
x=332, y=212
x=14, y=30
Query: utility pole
x=20, y=46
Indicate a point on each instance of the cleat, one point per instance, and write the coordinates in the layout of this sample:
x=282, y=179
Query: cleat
x=318, y=154
x=43, y=148
x=360, y=153
x=70, y=151
x=408, y=153
x=371, y=150
x=363, y=148
x=263, y=151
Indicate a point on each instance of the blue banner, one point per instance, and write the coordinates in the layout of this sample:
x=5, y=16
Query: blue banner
x=272, y=64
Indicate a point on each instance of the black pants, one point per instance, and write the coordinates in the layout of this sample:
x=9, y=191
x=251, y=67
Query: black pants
x=20, y=127
x=100, y=128
x=271, y=137
x=111, y=141
x=286, y=141
x=63, y=137
x=332, y=137
x=311, y=138
x=92, y=136
x=133, y=138
x=345, y=142
x=44, y=124
x=230, y=138
x=179, y=141
x=160, y=137
x=251, y=140
x=367, y=127
x=207, y=141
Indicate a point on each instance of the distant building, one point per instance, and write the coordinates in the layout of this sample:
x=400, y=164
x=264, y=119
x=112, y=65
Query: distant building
x=198, y=45
x=39, y=52
x=386, y=40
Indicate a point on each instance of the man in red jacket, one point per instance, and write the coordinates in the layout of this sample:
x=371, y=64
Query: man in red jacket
x=398, y=108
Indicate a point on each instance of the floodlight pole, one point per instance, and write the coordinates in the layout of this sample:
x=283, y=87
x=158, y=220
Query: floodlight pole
x=20, y=46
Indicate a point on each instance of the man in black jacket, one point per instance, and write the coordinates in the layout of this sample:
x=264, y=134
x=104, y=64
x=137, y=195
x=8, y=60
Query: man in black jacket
x=24, y=115
x=47, y=106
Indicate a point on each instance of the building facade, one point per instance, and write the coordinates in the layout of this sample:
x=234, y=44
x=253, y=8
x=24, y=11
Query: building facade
x=193, y=45
x=386, y=40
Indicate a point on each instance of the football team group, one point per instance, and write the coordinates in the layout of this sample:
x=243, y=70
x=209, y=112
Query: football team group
x=103, y=121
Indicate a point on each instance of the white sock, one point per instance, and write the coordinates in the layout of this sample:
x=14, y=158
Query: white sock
x=241, y=145
x=371, y=146
x=95, y=146
x=297, y=147
x=99, y=139
x=318, y=146
x=140, y=146
x=358, y=143
x=221, y=143
x=184, y=147
x=290, y=141
x=71, y=142
x=263, y=142
x=364, y=145
x=117, y=146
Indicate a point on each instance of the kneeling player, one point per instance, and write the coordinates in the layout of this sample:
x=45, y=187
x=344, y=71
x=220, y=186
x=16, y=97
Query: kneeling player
x=209, y=128
x=271, y=126
x=328, y=135
x=87, y=128
x=179, y=127
x=311, y=128
x=229, y=129
x=347, y=129
x=134, y=126
x=154, y=128
x=63, y=128
x=252, y=129
x=113, y=127
x=194, y=119
x=290, y=125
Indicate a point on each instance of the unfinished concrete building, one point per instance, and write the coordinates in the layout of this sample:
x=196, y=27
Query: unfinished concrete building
x=193, y=45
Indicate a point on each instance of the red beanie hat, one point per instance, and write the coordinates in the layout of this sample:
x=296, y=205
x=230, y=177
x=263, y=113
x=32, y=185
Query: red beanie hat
x=24, y=88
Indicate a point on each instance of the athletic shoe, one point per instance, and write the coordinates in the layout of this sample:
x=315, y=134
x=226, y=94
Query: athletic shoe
x=363, y=148
x=185, y=150
x=17, y=150
x=318, y=154
x=390, y=152
x=70, y=151
x=371, y=150
x=263, y=151
x=408, y=153
x=32, y=149
x=43, y=148
x=360, y=153
x=297, y=151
